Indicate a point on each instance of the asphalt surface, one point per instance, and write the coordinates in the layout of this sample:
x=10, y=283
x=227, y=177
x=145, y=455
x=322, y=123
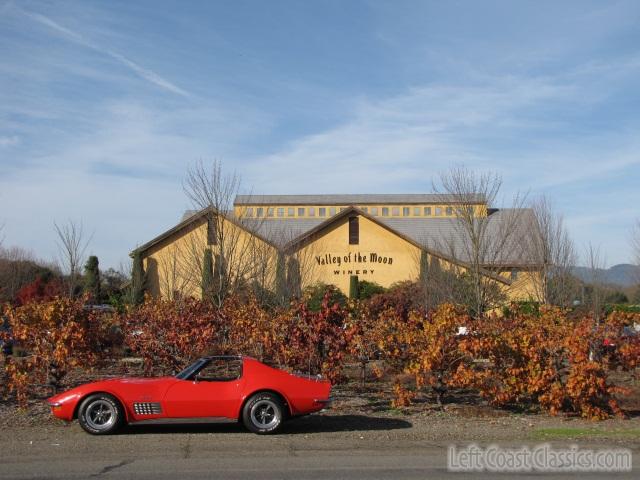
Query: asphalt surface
x=307, y=448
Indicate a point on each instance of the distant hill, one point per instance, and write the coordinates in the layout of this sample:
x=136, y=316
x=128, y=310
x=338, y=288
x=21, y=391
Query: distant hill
x=624, y=275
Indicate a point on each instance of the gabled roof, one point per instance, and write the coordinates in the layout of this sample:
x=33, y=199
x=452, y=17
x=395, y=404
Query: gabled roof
x=192, y=216
x=305, y=237
x=355, y=199
x=439, y=237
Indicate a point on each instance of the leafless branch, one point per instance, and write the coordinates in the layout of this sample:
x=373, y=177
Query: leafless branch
x=236, y=253
x=72, y=246
x=635, y=241
x=482, y=239
x=553, y=251
x=595, y=264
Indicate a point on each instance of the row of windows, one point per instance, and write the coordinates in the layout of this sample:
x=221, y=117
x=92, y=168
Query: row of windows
x=331, y=211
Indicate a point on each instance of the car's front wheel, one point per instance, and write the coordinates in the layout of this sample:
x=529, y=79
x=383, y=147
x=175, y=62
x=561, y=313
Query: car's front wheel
x=100, y=414
x=263, y=413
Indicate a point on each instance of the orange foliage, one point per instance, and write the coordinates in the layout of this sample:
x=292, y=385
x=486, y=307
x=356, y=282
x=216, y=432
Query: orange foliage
x=58, y=335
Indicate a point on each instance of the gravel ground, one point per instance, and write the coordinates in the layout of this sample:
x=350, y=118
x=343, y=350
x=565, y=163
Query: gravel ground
x=355, y=416
x=364, y=410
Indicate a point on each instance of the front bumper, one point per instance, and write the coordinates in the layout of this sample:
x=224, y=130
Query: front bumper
x=62, y=410
x=323, y=402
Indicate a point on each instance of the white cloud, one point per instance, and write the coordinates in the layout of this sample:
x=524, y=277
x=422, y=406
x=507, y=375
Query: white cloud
x=139, y=70
x=9, y=141
x=122, y=175
x=404, y=140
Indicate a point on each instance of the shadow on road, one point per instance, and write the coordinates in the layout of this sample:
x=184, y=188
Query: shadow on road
x=308, y=424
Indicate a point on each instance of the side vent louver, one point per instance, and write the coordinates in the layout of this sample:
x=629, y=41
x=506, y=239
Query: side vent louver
x=147, y=408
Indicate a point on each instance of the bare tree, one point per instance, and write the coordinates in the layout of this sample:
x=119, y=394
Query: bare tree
x=72, y=245
x=594, y=292
x=291, y=268
x=175, y=274
x=635, y=242
x=553, y=252
x=635, y=245
x=487, y=241
x=18, y=267
x=211, y=190
x=441, y=281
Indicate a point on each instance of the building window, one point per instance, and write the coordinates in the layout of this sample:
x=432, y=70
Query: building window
x=301, y=212
x=514, y=275
x=395, y=211
x=212, y=230
x=374, y=211
x=332, y=211
x=385, y=211
x=427, y=211
x=260, y=211
x=416, y=211
x=449, y=211
x=406, y=211
x=438, y=211
x=312, y=211
x=249, y=212
x=281, y=212
x=270, y=212
x=354, y=231
x=291, y=212
x=322, y=212
x=364, y=209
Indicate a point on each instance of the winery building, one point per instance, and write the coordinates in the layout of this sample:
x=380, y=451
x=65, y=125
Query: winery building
x=330, y=238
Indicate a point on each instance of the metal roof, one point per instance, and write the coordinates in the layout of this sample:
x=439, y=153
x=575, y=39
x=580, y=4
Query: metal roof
x=443, y=235
x=440, y=235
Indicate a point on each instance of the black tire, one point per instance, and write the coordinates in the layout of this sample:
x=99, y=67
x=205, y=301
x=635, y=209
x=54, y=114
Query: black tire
x=100, y=414
x=263, y=413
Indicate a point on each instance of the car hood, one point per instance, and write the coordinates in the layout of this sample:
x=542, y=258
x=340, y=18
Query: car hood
x=133, y=385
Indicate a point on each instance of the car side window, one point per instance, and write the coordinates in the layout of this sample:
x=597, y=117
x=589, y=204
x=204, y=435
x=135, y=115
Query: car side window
x=221, y=370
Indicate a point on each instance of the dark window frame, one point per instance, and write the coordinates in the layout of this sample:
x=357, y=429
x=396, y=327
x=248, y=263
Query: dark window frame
x=212, y=231
x=354, y=231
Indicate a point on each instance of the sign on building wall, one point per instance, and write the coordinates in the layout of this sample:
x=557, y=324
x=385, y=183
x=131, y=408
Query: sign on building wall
x=353, y=263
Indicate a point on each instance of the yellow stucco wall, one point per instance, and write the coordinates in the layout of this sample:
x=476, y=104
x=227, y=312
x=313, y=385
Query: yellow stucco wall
x=524, y=287
x=174, y=266
x=381, y=256
x=376, y=210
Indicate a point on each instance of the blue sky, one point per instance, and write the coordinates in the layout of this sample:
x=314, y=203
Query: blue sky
x=104, y=105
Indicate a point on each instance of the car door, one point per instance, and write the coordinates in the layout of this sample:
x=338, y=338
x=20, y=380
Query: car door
x=213, y=392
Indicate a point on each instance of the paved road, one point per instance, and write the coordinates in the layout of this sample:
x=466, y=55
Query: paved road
x=383, y=449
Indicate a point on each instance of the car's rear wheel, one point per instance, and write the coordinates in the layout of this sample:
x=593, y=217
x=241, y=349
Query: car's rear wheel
x=263, y=413
x=100, y=414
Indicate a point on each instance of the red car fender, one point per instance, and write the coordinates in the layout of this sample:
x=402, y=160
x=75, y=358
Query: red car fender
x=247, y=396
x=299, y=393
x=127, y=414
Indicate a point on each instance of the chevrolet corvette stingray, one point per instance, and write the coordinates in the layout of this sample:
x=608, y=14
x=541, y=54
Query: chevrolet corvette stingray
x=219, y=388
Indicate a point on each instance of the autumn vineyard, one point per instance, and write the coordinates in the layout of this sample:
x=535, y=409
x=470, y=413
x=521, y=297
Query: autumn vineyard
x=540, y=358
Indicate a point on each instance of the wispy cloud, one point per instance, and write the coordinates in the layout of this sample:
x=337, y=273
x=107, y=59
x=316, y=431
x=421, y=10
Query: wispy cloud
x=138, y=69
x=399, y=142
x=9, y=141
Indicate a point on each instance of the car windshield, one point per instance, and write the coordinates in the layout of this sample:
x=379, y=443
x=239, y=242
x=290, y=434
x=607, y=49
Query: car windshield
x=187, y=372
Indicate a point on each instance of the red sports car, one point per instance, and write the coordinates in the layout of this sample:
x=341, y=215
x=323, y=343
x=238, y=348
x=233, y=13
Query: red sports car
x=221, y=388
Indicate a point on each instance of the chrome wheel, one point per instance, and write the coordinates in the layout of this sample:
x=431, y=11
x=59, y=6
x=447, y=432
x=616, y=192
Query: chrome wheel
x=265, y=414
x=100, y=415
